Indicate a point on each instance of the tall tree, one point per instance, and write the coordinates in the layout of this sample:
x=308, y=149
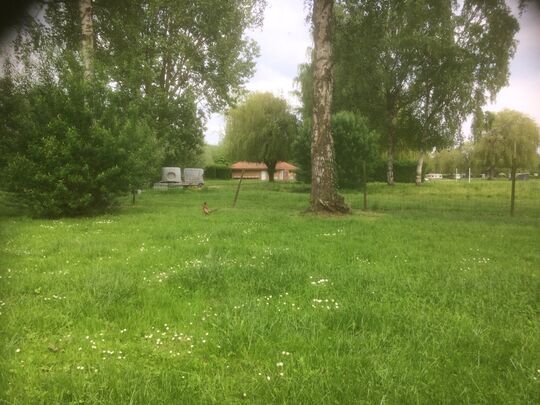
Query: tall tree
x=261, y=129
x=415, y=69
x=183, y=58
x=177, y=46
x=376, y=64
x=509, y=128
x=324, y=196
x=178, y=59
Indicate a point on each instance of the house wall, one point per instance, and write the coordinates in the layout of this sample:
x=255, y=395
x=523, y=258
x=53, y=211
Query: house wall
x=283, y=175
x=248, y=174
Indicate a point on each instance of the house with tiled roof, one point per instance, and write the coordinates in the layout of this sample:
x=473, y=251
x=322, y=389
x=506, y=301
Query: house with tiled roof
x=259, y=171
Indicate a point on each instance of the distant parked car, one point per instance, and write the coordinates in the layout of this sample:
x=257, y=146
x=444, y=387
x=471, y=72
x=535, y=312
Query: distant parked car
x=520, y=176
x=433, y=176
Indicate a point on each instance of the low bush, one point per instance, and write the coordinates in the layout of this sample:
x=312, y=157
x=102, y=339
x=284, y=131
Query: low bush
x=75, y=148
x=219, y=172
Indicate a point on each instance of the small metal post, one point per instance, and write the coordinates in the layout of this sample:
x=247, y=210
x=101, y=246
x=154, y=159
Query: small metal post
x=513, y=196
x=238, y=188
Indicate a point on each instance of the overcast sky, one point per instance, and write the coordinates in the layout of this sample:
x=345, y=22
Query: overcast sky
x=284, y=41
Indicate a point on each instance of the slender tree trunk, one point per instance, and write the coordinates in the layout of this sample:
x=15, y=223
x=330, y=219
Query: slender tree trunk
x=390, y=161
x=419, y=166
x=391, y=122
x=324, y=196
x=513, y=176
x=87, y=42
x=238, y=189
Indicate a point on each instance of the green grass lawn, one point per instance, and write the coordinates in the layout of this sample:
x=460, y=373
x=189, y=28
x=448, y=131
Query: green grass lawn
x=432, y=296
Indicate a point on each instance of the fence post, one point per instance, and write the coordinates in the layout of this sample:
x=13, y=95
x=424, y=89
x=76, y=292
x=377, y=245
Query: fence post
x=238, y=188
x=365, y=184
x=513, y=195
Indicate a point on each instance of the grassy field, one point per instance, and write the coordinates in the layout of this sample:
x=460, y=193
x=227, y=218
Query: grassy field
x=432, y=296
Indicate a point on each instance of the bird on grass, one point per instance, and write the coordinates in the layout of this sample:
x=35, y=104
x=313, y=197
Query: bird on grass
x=206, y=210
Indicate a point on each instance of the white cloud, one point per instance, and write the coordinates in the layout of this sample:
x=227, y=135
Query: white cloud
x=523, y=91
x=215, y=128
x=284, y=41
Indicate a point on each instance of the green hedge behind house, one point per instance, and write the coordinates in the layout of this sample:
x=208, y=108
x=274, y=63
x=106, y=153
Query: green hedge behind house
x=217, y=172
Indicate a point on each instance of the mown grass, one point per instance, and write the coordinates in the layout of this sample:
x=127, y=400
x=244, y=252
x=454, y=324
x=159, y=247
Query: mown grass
x=432, y=296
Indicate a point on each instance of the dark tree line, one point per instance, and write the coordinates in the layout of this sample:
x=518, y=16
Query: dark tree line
x=115, y=89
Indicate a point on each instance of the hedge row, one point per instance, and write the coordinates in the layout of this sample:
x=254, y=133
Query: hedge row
x=217, y=172
x=404, y=171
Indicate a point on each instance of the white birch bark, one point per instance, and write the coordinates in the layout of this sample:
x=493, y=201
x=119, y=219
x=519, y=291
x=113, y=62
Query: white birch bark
x=323, y=183
x=87, y=41
x=419, y=166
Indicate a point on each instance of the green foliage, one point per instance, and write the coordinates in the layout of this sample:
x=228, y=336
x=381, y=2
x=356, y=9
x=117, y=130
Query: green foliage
x=72, y=149
x=215, y=155
x=304, y=83
x=416, y=69
x=165, y=48
x=404, y=171
x=495, y=148
x=177, y=60
x=261, y=129
x=446, y=161
x=301, y=151
x=354, y=143
x=12, y=110
x=217, y=172
x=178, y=127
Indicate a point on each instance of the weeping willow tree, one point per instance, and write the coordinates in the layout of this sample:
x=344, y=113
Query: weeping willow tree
x=261, y=129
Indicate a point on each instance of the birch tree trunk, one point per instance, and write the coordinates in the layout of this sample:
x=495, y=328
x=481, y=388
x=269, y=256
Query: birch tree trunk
x=390, y=161
x=324, y=196
x=419, y=166
x=87, y=41
x=392, y=122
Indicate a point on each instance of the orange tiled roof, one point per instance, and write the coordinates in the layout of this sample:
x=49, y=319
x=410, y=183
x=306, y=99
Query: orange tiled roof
x=261, y=166
x=285, y=166
x=248, y=165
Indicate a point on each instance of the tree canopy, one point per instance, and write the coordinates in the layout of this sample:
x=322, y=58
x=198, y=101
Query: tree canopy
x=261, y=129
x=116, y=89
x=494, y=151
x=416, y=69
x=354, y=143
x=178, y=60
